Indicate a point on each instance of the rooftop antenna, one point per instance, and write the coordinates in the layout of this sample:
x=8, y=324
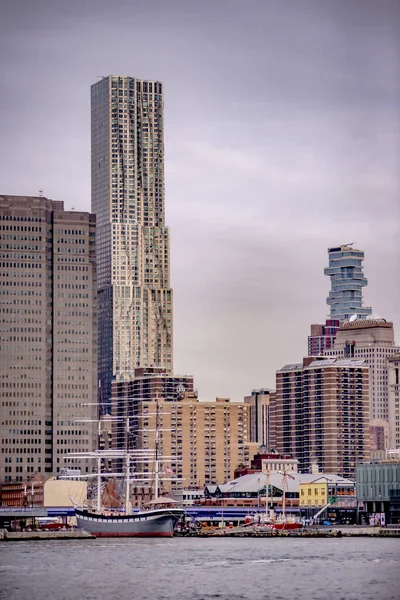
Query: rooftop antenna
x=40, y=193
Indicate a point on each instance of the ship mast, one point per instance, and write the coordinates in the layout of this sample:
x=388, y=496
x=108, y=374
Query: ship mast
x=99, y=484
x=127, y=455
x=127, y=474
x=267, y=493
x=284, y=486
x=99, y=474
x=284, y=482
x=156, y=471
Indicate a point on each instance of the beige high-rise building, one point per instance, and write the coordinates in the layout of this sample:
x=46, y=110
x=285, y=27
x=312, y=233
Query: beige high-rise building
x=134, y=293
x=322, y=414
x=371, y=339
x=394, y=401
x=205, y=441
x=48, y=336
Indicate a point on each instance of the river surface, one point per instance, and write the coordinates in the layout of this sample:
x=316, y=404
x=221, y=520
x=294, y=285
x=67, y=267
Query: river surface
x=200, y=569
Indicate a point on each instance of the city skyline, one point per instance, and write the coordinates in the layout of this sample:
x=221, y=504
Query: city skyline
x=274, y=152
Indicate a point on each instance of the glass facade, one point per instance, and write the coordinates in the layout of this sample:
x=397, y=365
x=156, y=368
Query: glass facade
x=347, y=280
x=378, y=489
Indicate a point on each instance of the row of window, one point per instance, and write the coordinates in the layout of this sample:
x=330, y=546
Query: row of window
x=20, y=247
x=71, y=231
x=24, y=219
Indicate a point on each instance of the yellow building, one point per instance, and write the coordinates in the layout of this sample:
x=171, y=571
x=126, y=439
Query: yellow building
x=202, y=442
x=313, y=493
x=320, y=489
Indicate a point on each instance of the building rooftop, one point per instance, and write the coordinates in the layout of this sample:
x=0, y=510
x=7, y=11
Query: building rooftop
x=337, y=362
x=366, y=323
x=323, y=362
x=344, y=248
x=292, y=367
x=255, y=482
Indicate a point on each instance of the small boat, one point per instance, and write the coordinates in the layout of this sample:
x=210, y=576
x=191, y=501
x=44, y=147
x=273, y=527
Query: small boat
x=149, y=523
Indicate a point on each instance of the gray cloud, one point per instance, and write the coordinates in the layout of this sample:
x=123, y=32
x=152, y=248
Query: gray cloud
x=282, y=138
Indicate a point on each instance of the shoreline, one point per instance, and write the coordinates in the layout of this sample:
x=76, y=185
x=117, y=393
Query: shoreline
x=337, y=533
x=18, y=536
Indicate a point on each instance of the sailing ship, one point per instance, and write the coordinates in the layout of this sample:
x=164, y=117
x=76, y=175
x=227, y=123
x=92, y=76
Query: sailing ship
x=157, y=521
x=149, y=523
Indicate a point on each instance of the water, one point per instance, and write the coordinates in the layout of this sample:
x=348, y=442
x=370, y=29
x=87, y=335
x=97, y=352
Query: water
x=201, y=569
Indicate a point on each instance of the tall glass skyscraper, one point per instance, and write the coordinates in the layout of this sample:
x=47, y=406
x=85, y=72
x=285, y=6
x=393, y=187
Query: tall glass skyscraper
x=347, y=280
x=134, y=293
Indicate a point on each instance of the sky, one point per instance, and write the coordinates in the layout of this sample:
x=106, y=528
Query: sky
x=282, y=138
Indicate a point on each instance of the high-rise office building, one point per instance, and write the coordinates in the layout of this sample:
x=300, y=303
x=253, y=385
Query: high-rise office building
x=347, y=280
x=322, y=414
x=48, y=336
x=134, y=293
x=373, y=340
x=261, y=404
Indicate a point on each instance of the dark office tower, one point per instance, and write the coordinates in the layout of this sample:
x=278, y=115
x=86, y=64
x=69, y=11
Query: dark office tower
x=134, y=293
x=48, y=336
x=261, y=405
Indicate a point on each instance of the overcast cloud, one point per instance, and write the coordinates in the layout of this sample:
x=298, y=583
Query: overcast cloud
x=282, y=138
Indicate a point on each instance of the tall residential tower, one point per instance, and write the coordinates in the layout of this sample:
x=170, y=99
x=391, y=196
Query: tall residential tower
x=134, y=294
x=322, y=413
x=347, y=281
